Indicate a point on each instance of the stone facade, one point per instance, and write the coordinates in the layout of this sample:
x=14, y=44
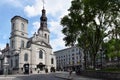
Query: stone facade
x=36, y=52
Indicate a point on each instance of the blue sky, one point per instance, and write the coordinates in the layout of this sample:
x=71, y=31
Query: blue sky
x=31, y=10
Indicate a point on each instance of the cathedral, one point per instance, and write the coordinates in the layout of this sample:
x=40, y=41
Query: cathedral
x=28, y=55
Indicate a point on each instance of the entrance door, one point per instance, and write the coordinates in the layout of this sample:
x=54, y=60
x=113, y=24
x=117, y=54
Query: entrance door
x=41, y=66
x=52, y=69
x=26, y=68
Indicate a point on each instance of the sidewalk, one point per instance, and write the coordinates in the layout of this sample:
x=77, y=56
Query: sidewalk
x=14, y=76
x=65, y=75
x=11, y=77
x=7, y=77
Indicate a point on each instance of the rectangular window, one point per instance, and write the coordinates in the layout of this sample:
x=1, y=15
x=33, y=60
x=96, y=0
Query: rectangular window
x=40, y=54
x=25, y=57
x=16, y=63
x=52, y=61
x=72, y=50
x=22, y=26
x=11, y=63
x=22, y=44
x=73, y=62
x=12, y=43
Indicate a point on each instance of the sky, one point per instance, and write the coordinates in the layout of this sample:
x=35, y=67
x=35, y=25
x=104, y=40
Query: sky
x=31, y=10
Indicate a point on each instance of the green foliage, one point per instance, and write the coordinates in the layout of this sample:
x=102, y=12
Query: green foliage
x=111, y=69
x=88, y=23
x=112, y=51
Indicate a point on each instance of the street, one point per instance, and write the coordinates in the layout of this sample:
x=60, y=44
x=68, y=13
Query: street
x=38, y=77
x=49, y=76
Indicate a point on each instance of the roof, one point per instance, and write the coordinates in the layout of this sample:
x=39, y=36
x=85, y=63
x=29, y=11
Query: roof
x=19, y=18
x=64, y=49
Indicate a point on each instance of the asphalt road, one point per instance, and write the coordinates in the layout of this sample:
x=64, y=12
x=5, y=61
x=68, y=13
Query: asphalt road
x=51, y=76
x=38, y=77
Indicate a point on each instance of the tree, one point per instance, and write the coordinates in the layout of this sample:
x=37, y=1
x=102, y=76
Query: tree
x=88, y=23
x=111, y=51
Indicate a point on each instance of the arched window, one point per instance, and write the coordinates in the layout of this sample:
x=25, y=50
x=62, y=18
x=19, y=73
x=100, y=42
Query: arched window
x=52, y=61
x=16, y=63
x=22, y=44
x=22, y=26
x=40, y=54
x=45, y=35
x=25, y=57
x=11, y=63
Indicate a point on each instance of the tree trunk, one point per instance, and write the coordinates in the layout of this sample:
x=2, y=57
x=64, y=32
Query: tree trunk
x=85, y=60
x=94, y=61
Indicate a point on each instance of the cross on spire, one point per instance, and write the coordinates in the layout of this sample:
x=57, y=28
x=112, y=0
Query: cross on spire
x=43, y=3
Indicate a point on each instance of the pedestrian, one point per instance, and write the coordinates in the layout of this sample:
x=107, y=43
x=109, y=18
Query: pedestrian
x=70, y=73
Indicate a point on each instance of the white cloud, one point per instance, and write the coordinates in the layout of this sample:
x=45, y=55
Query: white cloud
x=2, y=46
x=54, y=7
x=33, y=10
x=36, y=25
x=55, y=27
x=14, y=3
x=57, y=42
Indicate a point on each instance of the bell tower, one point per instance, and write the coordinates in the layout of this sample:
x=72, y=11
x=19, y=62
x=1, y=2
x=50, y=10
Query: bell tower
x=19, y=34
x=18, y=39
x=43, y=30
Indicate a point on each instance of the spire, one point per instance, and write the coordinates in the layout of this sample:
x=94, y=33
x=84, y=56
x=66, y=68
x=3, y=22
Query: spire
x=43, y=17
x=43, y=21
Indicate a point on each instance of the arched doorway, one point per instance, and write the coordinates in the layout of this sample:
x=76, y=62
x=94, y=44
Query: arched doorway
x=52, y=69
x=26, y=68
x=41, y=66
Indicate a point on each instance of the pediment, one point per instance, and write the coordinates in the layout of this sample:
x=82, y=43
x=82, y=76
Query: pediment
x=42, y=43
x=38, y=41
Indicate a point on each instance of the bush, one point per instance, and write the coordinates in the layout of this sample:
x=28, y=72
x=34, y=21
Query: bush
x=111, y=69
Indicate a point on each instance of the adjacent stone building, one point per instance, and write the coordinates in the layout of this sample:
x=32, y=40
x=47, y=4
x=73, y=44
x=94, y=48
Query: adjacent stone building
x=69, y=58
x=4, y=59
x=30, y=54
